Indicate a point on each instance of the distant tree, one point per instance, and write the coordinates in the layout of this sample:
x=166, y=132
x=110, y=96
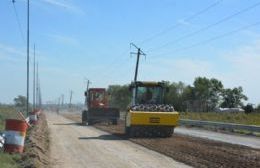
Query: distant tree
x=20, y=102
x=248, y=108
x=206, y=93
x=257, y=109
x=119, y=96
x=233, y=97
x=175, y=96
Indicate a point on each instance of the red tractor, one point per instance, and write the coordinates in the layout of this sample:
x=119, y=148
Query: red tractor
x=97, y=108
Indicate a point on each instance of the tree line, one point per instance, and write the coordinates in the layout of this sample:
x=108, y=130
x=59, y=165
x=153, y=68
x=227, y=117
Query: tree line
x=204, y=95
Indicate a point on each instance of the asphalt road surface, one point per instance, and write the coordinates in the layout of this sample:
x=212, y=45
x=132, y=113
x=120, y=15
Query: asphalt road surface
x=244, y=140
x=73, y=145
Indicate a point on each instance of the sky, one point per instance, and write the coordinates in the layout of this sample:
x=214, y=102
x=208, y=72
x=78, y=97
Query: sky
x=78, y=40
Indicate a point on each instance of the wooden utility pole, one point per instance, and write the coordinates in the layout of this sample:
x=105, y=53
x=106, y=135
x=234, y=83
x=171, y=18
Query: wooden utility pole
x=62, y=100
x=71, y=92
x=139, y=52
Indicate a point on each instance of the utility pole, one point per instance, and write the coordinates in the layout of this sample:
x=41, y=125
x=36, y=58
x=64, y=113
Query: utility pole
x=88, y=82
x=139, y=52
x=34, y=77
x=62, y=100
x=28, y=56
x=37, y=86
x=40, y=96
x=58, y=106
x=70, y=98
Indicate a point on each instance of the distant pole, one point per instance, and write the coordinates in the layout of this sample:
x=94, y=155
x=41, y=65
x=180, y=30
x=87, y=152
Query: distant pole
x=58, y=104
x=70, y=98
x=139, y=52
x=37, y=86
x=34, y=77
x=88, y=84
x=28, y=56
x=62, y=100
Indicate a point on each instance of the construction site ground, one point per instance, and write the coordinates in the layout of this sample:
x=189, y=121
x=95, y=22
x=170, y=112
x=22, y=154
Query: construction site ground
x=73, y=145
x=193, y=151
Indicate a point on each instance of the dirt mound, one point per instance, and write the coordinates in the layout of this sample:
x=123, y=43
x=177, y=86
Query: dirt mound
x=36, y=152
x=196, y=152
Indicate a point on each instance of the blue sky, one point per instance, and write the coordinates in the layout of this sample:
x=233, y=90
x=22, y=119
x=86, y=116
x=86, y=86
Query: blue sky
x=78, y=39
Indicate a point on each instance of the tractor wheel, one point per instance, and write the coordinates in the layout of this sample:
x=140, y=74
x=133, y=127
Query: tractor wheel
x=83, y=117
x=114, y=121
x=90, y=122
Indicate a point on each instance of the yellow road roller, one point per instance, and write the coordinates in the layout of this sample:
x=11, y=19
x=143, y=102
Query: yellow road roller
x=148, y=115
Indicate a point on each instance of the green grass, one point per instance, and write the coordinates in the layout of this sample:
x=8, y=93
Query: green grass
x=7, y=112
x=239, y=118
x=9, y=161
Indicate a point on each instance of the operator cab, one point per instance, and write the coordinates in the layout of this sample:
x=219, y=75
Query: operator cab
x=147, y=92
x=96, y=98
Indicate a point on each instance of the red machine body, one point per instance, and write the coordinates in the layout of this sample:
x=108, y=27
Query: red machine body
x=97, y=98
x=98, y=108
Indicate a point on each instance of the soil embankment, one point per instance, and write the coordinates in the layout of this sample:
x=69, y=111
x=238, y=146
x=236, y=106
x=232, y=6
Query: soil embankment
x=36, y=151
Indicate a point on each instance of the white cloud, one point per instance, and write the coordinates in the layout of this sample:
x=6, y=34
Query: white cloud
x=183, y=22
x=244, y=70
x=239, y=67
x=11, y=50
x=66, y=5
x=64, y=39
x=174, y=69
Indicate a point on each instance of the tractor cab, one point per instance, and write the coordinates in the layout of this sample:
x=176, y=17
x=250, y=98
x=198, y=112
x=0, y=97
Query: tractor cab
x=96, y=98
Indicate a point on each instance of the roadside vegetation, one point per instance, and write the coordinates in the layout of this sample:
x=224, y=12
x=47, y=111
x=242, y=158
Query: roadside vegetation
x=7, y=160
x=10, y=112
x=204, y=95
x=199, y=101
x=7, y=112
x=239, y=118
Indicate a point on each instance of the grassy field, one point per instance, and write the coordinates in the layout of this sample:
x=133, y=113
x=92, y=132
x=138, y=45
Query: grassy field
x=7, y=112
x=239, y=118
x=7, y=160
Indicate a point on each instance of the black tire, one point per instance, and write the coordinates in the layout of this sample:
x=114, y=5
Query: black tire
x=84, y=118
x=114, y=121
x=90, y=122
x=129, y=132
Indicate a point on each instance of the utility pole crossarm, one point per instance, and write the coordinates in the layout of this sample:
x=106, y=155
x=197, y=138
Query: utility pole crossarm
x=139, y=52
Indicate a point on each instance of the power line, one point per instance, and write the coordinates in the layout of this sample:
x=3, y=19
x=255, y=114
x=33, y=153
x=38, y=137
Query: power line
x=161, y=33
x=215, y=38
x=110, y=68
x=204, y=10
x=208, y=26
x=18, y=21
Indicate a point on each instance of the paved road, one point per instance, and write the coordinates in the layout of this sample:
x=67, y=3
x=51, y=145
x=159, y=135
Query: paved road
x=229, y=138
x=73, y=145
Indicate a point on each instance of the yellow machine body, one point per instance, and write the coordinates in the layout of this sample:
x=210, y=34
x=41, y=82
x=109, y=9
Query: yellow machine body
x=139, y=118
